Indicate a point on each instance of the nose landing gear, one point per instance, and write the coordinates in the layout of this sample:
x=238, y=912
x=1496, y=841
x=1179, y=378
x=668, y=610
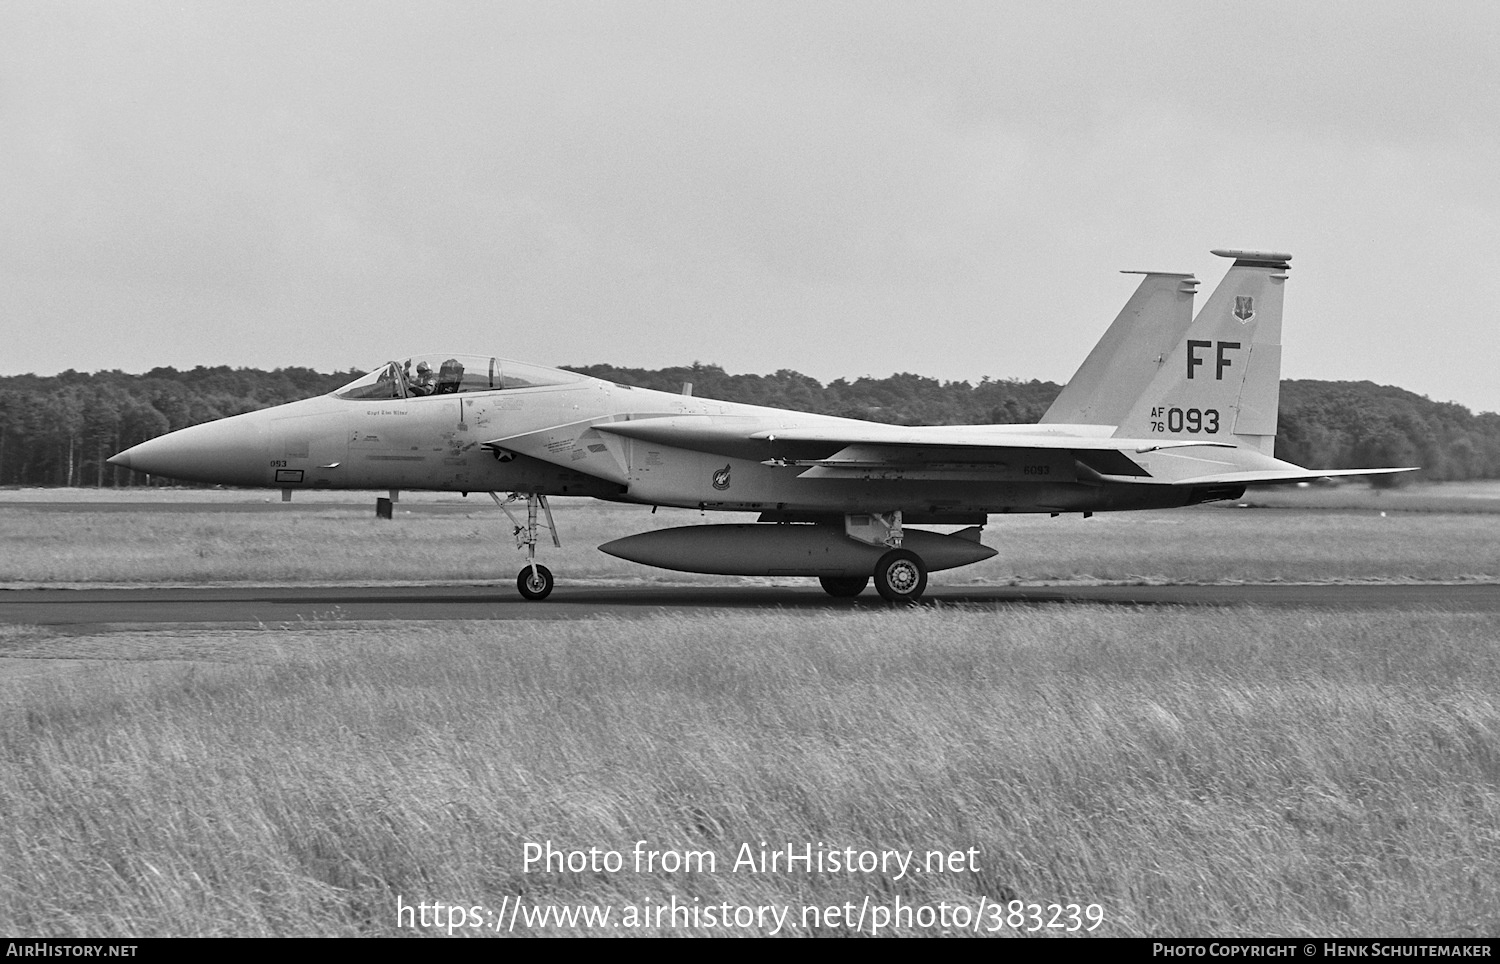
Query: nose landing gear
x=535, y=581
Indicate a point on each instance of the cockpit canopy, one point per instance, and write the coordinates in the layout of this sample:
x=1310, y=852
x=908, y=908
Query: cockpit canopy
x=442, y=374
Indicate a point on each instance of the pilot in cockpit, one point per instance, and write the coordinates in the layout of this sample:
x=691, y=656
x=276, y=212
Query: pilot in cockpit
x=425, y=382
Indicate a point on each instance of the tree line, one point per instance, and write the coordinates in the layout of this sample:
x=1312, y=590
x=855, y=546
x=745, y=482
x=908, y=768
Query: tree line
x=61, y=429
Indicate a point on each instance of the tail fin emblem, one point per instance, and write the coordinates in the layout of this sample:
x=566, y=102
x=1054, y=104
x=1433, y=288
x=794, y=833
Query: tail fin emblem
x=1244, y=308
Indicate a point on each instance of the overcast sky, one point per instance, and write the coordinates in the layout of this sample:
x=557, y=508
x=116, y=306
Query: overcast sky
x=837, y=188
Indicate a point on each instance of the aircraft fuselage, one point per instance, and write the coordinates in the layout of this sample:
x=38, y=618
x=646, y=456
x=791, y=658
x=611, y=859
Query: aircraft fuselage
x=438, y=442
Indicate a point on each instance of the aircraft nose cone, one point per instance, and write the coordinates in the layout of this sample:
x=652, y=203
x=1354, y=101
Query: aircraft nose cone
x=231, y=451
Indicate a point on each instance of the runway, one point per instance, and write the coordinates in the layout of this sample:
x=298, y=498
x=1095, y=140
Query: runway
x=102, y=608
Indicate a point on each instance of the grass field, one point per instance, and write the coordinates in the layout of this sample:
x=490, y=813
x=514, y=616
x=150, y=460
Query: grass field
x=1177, y=771
x=208, y=536
x=1288, y=774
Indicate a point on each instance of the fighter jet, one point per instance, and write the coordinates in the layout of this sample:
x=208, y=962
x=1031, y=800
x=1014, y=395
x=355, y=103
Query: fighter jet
x=1168, y=410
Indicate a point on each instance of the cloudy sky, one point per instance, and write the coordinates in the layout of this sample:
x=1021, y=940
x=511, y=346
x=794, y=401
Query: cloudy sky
x=839, y=188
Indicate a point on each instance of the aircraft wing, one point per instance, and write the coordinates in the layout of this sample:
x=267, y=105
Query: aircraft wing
x=743, y=436
x=849, y=448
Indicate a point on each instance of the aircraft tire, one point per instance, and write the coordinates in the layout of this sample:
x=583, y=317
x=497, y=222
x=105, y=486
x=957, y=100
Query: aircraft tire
x=844, y=587
x=900, y=576
x=535, y=589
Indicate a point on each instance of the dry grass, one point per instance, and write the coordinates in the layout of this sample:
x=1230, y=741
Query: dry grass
x=1284, y=774
x=1191, y=772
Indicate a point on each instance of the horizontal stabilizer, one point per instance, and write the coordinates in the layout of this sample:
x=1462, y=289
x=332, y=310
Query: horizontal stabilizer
x=1272, y=477
x=1255, y=476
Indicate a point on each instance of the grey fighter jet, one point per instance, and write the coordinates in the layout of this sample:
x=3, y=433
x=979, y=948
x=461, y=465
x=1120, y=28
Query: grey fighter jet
x=1168, y=410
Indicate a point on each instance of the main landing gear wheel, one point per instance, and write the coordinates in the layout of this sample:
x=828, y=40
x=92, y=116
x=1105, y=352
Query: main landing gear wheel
x=537, y=585
x=844, y=586
x=900, y=576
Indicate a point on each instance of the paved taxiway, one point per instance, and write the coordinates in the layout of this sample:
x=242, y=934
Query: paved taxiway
x=97, y=608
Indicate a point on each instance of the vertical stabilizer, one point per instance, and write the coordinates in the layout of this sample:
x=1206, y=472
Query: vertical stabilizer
x=1131, y=352
x=1222, y=381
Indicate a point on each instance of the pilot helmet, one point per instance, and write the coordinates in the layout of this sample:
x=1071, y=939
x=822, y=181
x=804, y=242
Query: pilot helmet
x=423, y=367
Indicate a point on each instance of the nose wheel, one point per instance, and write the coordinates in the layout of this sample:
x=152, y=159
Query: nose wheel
x=534, y=582
x=900, y=576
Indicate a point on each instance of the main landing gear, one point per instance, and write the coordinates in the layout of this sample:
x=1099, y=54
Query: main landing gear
x=535, y=581
x=900, y=574
x=844, y=587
